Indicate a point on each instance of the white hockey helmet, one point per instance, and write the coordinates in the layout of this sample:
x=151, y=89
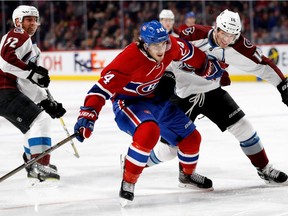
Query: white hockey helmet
x=25, y=10
x=166, y=14
x=229, y=22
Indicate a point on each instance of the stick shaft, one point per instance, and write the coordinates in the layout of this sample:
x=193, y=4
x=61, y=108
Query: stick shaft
x=16, y=170
x=76, y=154
x=68, y=134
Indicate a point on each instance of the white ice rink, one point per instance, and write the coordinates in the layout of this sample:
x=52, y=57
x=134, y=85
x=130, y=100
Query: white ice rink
x=90, y=185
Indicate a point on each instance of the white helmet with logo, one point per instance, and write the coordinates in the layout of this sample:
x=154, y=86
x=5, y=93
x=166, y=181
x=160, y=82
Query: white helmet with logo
x=229, y=22
x=166, y=14
x=24, y=10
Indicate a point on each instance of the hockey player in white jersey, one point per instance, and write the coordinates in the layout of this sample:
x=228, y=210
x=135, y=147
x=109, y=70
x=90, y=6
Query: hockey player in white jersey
x=22, y=91
x=195, y=95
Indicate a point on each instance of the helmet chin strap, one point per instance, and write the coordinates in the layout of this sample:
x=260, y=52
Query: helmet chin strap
x=145, y=45
x=214, y=37
x=19, y=26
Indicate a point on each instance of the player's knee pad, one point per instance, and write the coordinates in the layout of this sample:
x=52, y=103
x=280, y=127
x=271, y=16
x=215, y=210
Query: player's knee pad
x=191, y=143
x=146, y=136
x=40, y=127
x=247, y=136
x=161, y=152
x=164, y=151
x=38, y=137
x=242, y=130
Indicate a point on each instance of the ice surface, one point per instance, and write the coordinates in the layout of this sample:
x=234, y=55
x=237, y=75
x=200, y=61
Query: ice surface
x=90, y=185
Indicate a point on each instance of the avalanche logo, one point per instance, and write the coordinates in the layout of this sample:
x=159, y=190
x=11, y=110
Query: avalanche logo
x=247, y=43
x=273, y=54
x=147, y=88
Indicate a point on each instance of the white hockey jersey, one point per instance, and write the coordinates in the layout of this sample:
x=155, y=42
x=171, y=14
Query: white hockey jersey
x=242, y=55
x=16, y=51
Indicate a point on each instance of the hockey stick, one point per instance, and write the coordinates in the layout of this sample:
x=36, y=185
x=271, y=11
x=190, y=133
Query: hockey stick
x=38, y=157
x=71, y=141
x=76, y=154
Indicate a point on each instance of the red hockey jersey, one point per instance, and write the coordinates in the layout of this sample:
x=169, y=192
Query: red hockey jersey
x=134, y=74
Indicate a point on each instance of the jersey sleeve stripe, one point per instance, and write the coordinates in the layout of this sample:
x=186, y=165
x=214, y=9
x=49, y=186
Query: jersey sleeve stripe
x=100, y=90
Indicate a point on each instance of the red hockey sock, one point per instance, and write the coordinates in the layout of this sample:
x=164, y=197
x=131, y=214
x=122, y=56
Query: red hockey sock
x=44, y=161
x=259, y=160
x=144, y=140
x=190, y=147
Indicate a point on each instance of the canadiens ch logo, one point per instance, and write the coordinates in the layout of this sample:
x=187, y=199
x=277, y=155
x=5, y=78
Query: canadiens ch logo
x=147, y=88
x=273, y=54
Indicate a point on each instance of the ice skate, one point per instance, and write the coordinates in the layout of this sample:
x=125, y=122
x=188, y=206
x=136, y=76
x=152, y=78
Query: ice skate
x=126, y=193
x=127, y=189
x=272, y=176
x=42, y=172
x=52, y=166
x=40, y=176
x=194, y=181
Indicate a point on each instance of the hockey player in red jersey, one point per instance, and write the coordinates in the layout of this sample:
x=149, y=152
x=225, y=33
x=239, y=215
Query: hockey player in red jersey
x=199, y=96
x=130, y=81
x=22, y=84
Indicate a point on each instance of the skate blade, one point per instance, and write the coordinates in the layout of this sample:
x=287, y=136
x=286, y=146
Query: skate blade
x=275, y=184
x=193, y=187
x=36, y=183
x=122, y=161
x=124, y=202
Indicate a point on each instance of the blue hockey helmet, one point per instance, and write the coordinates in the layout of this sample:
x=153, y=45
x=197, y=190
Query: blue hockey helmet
x=153, y=32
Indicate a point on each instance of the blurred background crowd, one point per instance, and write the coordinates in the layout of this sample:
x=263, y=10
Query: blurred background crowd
x=82, y=25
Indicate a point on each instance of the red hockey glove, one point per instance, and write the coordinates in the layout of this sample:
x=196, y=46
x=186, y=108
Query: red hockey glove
x=85, y=123
x=225, y=79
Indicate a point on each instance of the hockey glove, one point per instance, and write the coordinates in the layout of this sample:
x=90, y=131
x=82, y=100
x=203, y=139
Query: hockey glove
x=283, y=89
x=225, y=79
x=212, y=70
x=38, y=75
x=85, y=123
x=53, y=108
x=166, y=86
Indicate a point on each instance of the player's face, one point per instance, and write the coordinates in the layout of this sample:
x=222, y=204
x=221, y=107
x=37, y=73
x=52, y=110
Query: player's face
x=30, y=24
x=157, y=50
x=223, y=39
x=167, y=23
x=190, y=21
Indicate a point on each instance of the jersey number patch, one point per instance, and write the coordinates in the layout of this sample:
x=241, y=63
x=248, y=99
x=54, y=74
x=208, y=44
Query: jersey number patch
x=12, y=42
x=107, y=78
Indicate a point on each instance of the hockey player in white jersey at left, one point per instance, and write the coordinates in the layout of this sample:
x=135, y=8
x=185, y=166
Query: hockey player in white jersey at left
x=23, y=98
x=195, y=95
